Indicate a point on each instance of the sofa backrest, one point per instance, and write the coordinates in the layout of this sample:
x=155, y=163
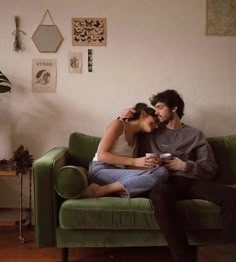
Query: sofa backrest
x=224, y=149
x=82, y=149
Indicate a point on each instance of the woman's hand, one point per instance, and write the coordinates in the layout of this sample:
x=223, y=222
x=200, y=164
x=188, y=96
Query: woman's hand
x=146, y=162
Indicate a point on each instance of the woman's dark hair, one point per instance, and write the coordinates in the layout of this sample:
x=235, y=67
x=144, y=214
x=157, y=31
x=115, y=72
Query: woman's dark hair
x=171, y=98
x=139, y=107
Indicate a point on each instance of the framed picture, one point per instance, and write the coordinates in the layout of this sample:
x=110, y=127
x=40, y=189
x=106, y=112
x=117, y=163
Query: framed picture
x=44, y=75
x=89, y=31
x=221, y=17
x=75, y=62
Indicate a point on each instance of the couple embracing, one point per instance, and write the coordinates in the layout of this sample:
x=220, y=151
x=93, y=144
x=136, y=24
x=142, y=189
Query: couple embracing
x=121, y=166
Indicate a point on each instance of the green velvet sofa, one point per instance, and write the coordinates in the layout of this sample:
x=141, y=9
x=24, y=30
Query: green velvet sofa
x=64, y=220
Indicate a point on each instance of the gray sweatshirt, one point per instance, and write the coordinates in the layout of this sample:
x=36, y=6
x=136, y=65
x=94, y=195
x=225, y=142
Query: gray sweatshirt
x=186, y=143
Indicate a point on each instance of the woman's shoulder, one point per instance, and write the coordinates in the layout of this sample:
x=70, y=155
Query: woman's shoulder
x=116, y=125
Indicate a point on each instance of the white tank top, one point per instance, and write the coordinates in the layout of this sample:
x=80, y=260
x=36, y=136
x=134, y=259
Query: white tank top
x=120, y=147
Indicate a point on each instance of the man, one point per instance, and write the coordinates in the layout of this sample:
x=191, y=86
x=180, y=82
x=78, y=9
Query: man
x=191, y=168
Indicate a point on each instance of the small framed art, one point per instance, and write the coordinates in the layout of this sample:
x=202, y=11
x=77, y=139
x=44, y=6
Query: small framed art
x=221, y=17
x=89, y=31
x=75, y=62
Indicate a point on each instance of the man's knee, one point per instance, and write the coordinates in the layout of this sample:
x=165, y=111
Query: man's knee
x=161, y=192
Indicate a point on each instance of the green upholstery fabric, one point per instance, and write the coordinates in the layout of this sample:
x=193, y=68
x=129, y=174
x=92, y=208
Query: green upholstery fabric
x=107, y=213
x=46, y=202
x=225, y=153
x=127, y=238
x=82, y=148
x=110, y=238
x=200, y=214
x=133, y=213
x=70, y=181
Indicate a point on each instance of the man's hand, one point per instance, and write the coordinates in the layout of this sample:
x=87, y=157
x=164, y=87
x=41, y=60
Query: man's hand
x=127, y=113
x=175, y=164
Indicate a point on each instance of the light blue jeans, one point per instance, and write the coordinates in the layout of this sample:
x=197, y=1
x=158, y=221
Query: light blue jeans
x=134, y=181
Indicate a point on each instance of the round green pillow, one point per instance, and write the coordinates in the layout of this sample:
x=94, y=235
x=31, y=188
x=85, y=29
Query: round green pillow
x=70, y=181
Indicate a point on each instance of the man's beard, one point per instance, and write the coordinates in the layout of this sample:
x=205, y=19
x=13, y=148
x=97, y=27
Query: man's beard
x=166, y=121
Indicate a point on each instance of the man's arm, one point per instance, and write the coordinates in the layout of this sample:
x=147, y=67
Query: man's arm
x=202, y=166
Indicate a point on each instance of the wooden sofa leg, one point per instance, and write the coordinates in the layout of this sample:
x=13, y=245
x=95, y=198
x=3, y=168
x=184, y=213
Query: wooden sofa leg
x=65, y=253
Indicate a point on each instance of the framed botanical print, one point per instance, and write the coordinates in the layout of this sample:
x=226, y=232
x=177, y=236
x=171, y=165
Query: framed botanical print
x=75, y=62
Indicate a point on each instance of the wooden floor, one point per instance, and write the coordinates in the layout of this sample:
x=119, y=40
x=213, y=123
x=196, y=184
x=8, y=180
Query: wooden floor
x=11, y=250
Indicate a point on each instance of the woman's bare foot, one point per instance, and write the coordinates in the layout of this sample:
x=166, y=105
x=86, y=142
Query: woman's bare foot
x=95, y=190
x=90, y=191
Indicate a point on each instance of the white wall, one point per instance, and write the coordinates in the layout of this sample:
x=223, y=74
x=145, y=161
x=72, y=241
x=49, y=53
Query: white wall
x=153, y=45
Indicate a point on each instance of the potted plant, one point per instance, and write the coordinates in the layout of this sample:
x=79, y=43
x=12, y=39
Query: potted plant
x=5, y=84
x=23, y=159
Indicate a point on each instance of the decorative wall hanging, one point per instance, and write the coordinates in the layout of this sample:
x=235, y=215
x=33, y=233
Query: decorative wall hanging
x=221, y=17
x=75, y=62
x=89, y=31
x=44, y=75
x=17, y=46
x=90, y=60
x=47, y=38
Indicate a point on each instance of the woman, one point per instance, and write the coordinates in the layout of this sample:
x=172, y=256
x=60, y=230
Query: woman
x=115, y=169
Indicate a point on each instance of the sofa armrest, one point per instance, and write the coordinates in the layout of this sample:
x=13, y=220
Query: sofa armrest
x=46, y=200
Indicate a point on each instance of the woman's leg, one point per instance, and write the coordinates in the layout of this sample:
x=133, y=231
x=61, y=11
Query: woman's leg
x=133, y=181
x=104, y=180
x=144, y=180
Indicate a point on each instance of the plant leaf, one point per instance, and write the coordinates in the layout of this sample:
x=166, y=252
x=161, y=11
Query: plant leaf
x=4, y=89
x=5, y=84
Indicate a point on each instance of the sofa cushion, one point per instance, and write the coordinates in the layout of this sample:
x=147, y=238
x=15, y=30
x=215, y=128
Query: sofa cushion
x=133, y=213
x=107, y=213
x=70, y=181
x=200, y=214
x=224, y=149
x=82, y=148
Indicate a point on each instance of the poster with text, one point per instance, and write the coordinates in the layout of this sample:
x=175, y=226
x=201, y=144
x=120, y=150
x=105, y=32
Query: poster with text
x=44, y=75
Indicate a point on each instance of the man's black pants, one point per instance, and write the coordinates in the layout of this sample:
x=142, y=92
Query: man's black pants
x=164, y=197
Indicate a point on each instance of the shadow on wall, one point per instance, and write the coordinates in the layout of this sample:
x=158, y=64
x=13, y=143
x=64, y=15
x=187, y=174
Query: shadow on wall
x=47, y=123
x=34, y=126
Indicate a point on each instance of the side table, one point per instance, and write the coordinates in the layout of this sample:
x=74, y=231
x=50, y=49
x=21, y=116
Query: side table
x=12, y=173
